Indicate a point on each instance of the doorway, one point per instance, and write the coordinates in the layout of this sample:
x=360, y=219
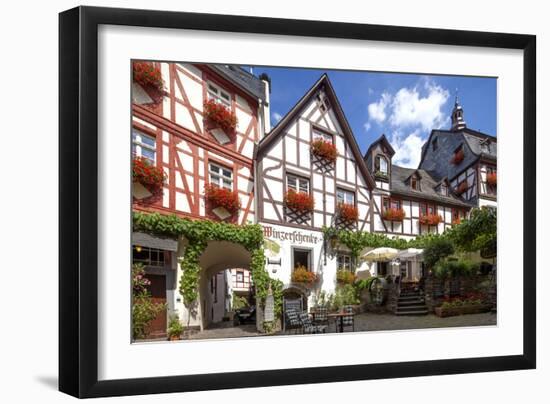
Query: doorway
x=157, y=289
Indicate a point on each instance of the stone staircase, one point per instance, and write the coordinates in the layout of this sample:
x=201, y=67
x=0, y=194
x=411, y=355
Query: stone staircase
x=411, y=303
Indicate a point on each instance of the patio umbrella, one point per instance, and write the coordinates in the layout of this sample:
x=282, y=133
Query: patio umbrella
x=410, y=253
x=381, y=254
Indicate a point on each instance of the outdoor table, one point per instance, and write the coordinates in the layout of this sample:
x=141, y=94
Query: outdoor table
x=338, y=316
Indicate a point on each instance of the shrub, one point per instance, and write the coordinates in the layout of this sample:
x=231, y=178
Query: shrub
x=437, y=249
x=348, y=212
x=144, y=310
x=324, y=149
x=343, y=296
x=220, y=115
x=222, y=197
x=345, y=277
x=148, y=175
x=430, y=219
x=446, y=268
x=175, y=327
x=299, y=201
x=394, y=214
x=302, y=275
x=239, y=302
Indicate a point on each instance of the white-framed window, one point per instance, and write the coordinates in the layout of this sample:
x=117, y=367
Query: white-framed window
x=444, y=189
x=327, y=137
x=216, y=93
x=144, y=146
x=240, y=276
x=220, y=176
x=343, y=196
x=148, y=256
x=297, y=184
x=381, y=164
x=344, y=262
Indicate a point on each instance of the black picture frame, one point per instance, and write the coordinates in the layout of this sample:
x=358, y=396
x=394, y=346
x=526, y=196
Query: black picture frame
x=78, y=207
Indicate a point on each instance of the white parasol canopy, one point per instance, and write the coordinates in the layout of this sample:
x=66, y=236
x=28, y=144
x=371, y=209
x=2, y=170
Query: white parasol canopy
x=381, y=254
x=410, y=253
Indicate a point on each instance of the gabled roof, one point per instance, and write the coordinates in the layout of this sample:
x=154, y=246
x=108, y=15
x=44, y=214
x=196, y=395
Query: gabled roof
x=428, y=187
x=382, y=139
x=241, y=78
x=279, y=129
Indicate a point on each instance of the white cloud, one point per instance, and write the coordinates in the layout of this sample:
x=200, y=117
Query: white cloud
x=367, y=126
x=276, y=117
x=377, y=110
x=410, y=109
x=407, y=149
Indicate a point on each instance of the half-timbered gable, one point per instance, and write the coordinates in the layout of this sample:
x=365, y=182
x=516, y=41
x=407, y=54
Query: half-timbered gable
x=287, y=162
x=192, y=147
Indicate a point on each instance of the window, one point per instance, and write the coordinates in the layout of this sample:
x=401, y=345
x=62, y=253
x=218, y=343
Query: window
x=148, y=256
x=381, y=165
x=344, y=262
x=444, y=189
x=240, y=276
x=216, y=93
x=317, y=134
x=322, y=101
x=414, y=183
x=434, y=144
x=301, y=258
x=297, y=184
x=343, y=196
x=388, y=203
x=144, y=146
x=220, y=176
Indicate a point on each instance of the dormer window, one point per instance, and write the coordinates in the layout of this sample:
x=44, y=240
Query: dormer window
x=415, y=184
x=444, y=189
x=434, y=144
x=381, y=165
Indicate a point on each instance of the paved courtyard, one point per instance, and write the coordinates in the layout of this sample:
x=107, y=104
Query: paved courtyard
x=366, y=322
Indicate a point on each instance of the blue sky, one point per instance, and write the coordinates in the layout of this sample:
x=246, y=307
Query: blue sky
x=406, y=107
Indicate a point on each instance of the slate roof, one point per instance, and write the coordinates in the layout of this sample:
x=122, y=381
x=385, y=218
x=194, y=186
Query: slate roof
x=247, y=81
x=428, y=185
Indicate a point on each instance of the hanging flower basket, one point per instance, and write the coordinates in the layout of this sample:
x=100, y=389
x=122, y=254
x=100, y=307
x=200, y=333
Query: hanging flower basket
x=220, y=116
x=394, y=215
x=458, y=157
x=303, y=276
x=348, y=213
x=222, y=198
x=324, y=150
x=462, y=187
x=149, y=77
x=148, y=175
x=430, y=219
x=299, y=201
x=492, y=179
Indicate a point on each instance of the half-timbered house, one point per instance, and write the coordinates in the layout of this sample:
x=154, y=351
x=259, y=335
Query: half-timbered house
x=288, y=164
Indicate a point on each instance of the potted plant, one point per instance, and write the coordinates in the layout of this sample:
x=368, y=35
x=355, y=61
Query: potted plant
x=299, y=201
x=431, y=219
x=324, y=150
x=394, y=214
x=492, y=179
x=221, y=116
x=175, y=328
x=344, y=276
x=149, y=76
x=462, y=187
x=222, y=198
x=151, y=177
x=348, y=212
x=458, y=157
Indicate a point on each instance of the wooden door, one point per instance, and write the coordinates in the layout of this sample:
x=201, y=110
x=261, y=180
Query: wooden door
x=157, y=288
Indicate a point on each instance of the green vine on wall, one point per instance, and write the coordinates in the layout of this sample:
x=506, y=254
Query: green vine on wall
x=198, y=233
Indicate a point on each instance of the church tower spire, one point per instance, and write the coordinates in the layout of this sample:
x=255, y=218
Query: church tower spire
x=457, y=116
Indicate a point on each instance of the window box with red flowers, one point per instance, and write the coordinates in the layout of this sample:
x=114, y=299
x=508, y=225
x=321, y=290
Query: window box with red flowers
x=492, y=179
x=324, y=150
x=149, y=77
x=430, y=219
x=222, y=198
x=303, y=276
x=348, y=212
x=458, y=157
x=462, y=187
x=299, y=201
x=151, y=177
x=221, y=116
x=394, y=214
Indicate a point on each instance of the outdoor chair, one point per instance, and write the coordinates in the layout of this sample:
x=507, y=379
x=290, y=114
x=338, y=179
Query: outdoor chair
x=321, y=315
x=292, y=320
x=308, y=326
x=349, y=319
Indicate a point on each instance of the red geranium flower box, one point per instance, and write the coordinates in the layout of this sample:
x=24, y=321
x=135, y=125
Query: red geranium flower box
x=492, y=179
x=150, y=78
x=299, y=201
x=458, y=157
x=148, y=175
x=324, y=149
x=222, y=198
x=220, y=116
x=394, y=215
x=348, y=212
x=430, y=219
x=302, y=275
x=462, y=187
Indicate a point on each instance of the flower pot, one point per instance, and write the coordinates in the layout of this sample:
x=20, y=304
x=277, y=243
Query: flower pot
x=174, y=337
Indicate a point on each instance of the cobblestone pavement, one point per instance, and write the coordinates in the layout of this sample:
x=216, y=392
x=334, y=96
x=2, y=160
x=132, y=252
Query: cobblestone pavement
x=366, y=322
